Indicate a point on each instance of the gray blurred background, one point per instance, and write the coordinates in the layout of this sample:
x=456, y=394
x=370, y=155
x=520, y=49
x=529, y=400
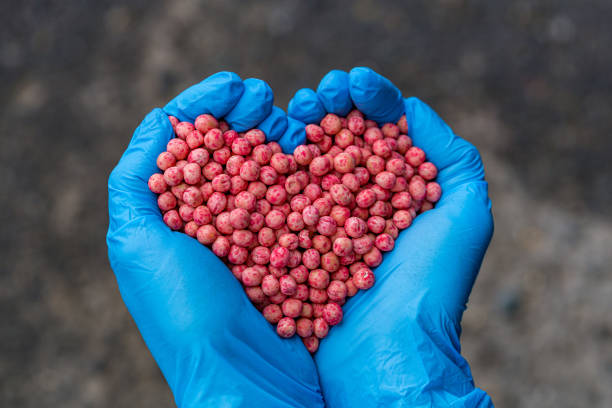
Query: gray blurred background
x=529, y=83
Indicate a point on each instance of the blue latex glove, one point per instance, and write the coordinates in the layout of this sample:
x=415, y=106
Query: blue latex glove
x=398, y=345
x=213, y=347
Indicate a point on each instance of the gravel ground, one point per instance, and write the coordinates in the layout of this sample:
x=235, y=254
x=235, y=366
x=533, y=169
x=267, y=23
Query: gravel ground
x=527, y=82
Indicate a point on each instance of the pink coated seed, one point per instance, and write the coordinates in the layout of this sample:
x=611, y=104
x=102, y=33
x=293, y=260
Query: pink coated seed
x=373, y=258
x=245, y=200
x=415, y=156
x=428, y=171
x=249, y=171
x=286, y=327
x=320, y=327
x=279, y=257
x=233, y=165
x=205, y=122
x=417, y=188
x=272, y=313
x=280, y=163
x=178, y=148
x=318, y=278
x=292, y=307
x=385, y=179
x=402, y=219
x=342, y=274
x=332, y=314
x=303, y=155
x=305, y=327
x=401, y=200
x=173, y=220
x=314, y=133
x=344, y=138
x=216, y=202
x=336, y=291
x=376, y=224
x=191, y=229
x=221, y=183
x=229, y=136
x=237, y=255
x=275, y=219
x=384, y=242
x=365, y=198
x=321, y=243
x=295, y=221
x=363, y=279
x=330, y=262
x=255, y=295
x=206, y=234
x=186, y=212
x=319, y=166
x=351, y=289
x=193, y=196
x=222, y=155
x=211, y=170
x=331, y=124
x=261, y=256
x=194, y=139
x=255, y=137
x=433, y=192
x=276, y=195
x=173, y=176
x=237, y=185
x=300, y=273
x=182, y=129
x=317, y=296
x=362, y=245
x=381, y=208
x=375, y=164
x=326, y=226
x=288, y=285
x=270, y=285
x=355, y=227
x=157, y=184
x=165, y=160
x=302, y=293
x=221, y=246
x=311, y=258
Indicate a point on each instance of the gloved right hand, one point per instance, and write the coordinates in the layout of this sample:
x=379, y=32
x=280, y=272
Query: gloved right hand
x=398, y=345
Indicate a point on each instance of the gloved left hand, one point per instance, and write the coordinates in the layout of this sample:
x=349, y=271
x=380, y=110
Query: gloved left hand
x=213, y=347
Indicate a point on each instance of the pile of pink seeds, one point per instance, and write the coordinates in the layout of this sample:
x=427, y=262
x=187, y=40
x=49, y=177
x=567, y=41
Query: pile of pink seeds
x=301, y=232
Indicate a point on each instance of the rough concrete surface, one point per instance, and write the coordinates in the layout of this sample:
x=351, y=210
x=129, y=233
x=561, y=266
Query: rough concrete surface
x=527, y=82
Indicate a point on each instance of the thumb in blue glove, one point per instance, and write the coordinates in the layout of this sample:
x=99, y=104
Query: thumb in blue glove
x=398, y=344
x=213, y=347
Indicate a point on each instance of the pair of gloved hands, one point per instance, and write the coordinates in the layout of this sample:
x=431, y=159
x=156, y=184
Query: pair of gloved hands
x=398, y=344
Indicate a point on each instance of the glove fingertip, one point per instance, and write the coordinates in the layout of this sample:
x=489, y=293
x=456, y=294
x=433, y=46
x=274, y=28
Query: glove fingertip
x=306, y=107
x=333, y=92
x=275, y=125
x=375, y=95
x=216, y=95
x=254, y=105
x=294, y=136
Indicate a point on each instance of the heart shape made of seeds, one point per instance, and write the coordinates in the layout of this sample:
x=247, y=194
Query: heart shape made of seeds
x=303, y=231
